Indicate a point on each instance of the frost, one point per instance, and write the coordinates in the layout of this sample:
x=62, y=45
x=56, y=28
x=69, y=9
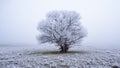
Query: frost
x=86, y=57
x=62, y=28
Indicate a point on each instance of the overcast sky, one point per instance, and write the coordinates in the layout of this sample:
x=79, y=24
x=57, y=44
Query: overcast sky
x=19, y=19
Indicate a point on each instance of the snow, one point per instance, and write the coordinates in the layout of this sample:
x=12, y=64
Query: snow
x=49, y=57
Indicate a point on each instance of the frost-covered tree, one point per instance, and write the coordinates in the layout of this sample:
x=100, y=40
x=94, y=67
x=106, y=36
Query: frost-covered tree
x=62, y=28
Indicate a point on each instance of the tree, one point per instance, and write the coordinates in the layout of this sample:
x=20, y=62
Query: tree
x=62, y=28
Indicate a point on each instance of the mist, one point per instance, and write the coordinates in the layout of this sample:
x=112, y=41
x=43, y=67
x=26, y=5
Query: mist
x=19, y=20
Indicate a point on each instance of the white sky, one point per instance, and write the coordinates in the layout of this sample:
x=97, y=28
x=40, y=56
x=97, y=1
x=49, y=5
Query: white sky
x=19, y=19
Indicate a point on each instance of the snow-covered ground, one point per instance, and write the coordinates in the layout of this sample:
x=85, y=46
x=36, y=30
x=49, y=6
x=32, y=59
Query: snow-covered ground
x=46, y=56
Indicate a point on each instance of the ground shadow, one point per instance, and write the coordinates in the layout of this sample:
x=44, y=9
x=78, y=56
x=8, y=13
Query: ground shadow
x=57, y=52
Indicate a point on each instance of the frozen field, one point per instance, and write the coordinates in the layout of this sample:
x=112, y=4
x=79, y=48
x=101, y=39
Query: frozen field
x=49, y=57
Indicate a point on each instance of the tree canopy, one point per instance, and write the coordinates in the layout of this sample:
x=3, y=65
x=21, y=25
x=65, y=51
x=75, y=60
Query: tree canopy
x=61, y=27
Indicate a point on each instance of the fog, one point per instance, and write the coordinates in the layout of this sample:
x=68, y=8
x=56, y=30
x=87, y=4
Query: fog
x=19, y=20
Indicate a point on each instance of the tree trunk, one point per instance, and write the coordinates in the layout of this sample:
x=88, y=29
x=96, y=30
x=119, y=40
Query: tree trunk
x=64, y=48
